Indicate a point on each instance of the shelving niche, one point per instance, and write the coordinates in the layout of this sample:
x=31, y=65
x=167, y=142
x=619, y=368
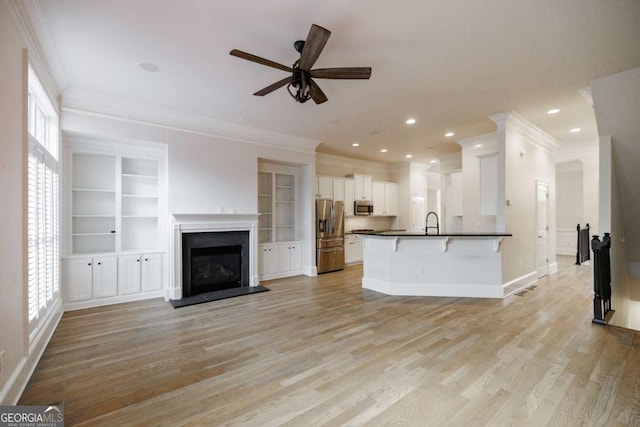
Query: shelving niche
x=115, y=210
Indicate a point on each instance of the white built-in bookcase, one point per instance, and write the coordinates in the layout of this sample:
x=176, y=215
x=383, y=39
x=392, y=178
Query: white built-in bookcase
x=115, y=223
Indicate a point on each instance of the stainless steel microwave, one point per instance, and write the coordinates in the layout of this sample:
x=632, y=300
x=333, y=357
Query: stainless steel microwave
x=363, y=207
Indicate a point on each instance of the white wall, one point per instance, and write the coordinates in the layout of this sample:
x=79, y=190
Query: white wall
x=206, y=174
x=13, y=315
x=616, y=103
x=570, y=205
x=529, y=156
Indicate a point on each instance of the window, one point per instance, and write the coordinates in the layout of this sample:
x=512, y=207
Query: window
x=43, y=205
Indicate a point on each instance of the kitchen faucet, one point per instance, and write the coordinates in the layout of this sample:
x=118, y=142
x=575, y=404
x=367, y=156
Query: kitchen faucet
x=426, y=225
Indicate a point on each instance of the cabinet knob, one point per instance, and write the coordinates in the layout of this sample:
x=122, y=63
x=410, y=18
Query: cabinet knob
x=89, y=264
x=146, y=259
x=138, y=260
x=113, y=231
x=99, y=263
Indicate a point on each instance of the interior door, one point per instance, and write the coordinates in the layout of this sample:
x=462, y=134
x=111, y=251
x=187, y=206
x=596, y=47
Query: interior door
x=542, y=229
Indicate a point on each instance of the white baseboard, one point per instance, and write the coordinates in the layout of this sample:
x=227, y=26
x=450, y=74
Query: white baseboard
x=11, y=392
x=520, y=282
x=70, y=306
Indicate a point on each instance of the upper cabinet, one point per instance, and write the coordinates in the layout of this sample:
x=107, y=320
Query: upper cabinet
x=349, y=195
x=363, y=187
x=385, y=198
x=324, y=187
x=330, y=187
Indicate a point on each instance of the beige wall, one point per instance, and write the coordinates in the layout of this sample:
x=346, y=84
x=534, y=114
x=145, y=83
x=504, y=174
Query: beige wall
x=13, y=75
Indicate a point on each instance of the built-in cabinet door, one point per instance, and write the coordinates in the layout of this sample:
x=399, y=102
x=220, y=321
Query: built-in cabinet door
x=349, y=196
x=128, y=274
x=391, y=198
x=268, y=259
x=378, y=198
x=338, y=189
x=352, y=249
x=290, y=257
x=324, y=187
x=77, y=279
x=151, y=274
x=363, y=187
x=105, y=277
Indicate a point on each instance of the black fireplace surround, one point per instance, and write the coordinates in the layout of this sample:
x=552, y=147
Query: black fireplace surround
x=214, y=261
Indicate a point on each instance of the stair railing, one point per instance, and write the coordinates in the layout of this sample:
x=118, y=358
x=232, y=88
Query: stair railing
x=602, y=311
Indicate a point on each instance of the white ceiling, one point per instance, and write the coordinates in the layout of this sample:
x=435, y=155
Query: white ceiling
x=449, y=65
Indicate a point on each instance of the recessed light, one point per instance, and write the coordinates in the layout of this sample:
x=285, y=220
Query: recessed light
x=553, y=111
x=410, y=121
x=434, y=161
x=408, y=156
x=478, y=146
x=148, y=66
x=449, y=134
x=355, y=144
x=384, y=150
x=574, y=130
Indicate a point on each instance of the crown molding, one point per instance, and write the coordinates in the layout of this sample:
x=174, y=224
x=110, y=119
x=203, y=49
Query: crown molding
x=89, y=103
x=534, y=135
x=43, y=55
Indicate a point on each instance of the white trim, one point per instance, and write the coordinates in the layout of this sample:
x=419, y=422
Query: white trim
x=82, y=102
x=520, y=282
x=196, y=223
x=17, y=382
x=100, y=302
x=377, y=169
x=433, y=289
x=525, y=128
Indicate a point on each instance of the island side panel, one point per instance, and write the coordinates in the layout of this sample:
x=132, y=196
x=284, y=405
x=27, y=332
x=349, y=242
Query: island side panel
x=433, y=266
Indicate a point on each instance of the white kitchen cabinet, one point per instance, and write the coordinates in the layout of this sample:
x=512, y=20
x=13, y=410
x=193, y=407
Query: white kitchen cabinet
x=349, y=195
x=385, y=198
x=363, y=187
x=278, y=260
x=151, y=272
x=86, y=278
x=352, y=249
x=338, y=189
x=324, y=187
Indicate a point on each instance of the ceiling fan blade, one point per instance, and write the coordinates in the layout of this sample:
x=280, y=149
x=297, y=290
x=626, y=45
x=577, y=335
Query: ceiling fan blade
x=313, y=45
x=317, y=94
x=257, y=59
x=272, y=87
x=342, y=73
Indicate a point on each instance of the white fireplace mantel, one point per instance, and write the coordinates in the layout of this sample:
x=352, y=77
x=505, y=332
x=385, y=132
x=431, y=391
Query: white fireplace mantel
x=199, y=223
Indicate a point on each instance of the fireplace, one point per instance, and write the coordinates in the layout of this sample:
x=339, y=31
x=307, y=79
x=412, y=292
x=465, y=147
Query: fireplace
x=192, y=234
x=214, y=261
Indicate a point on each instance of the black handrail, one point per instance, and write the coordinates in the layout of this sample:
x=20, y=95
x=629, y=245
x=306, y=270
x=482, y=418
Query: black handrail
x=582, y=252
x=602, y=311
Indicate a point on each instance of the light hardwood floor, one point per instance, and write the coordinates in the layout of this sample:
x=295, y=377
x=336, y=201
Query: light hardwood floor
x=323, y=351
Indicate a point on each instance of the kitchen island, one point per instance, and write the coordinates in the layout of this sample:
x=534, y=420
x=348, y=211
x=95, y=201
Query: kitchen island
x=451, y=265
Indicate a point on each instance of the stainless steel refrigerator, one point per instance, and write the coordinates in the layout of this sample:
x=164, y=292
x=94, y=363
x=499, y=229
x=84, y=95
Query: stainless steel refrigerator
x=329, y=235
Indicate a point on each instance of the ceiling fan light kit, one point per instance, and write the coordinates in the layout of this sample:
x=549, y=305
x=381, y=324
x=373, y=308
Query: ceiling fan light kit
x=300, y=83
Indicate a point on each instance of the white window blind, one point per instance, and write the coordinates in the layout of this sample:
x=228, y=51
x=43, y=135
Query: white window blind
x=42, y=231
x=43, y=237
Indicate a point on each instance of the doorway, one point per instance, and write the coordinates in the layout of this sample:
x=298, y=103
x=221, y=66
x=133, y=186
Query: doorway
x=542, y=228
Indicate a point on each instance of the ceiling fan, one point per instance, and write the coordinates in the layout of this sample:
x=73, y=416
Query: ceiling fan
x=304, y=88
